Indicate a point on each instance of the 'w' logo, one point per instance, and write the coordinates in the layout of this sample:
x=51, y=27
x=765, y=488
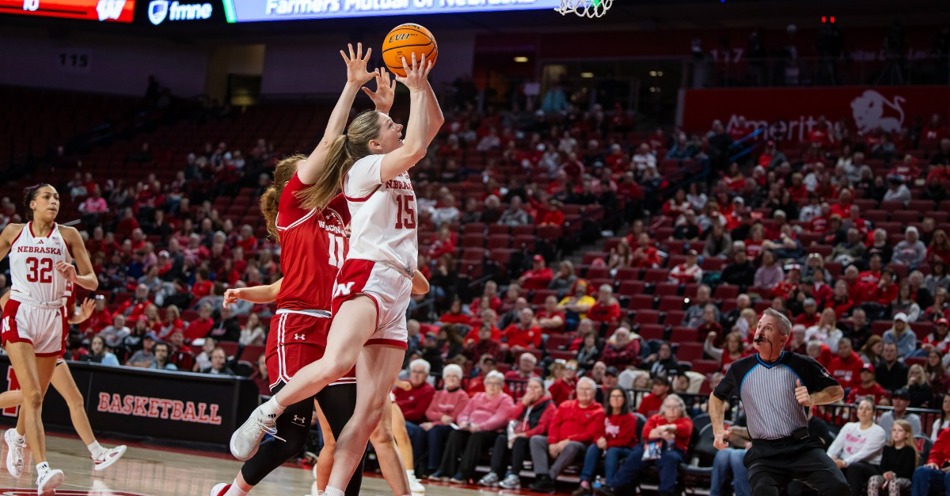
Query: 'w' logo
x=110, y=9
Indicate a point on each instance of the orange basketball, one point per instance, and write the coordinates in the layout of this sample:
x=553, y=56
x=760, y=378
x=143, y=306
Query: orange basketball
x=403, y=41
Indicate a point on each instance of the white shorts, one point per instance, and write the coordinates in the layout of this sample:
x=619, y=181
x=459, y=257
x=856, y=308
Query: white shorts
x=44, y=328
x=390, y=291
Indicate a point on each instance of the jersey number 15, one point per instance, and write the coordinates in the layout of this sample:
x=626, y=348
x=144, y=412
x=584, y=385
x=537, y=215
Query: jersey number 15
x=405, y=213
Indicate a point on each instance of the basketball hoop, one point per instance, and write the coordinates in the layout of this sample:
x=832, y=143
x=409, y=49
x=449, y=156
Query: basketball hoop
x=585, y=8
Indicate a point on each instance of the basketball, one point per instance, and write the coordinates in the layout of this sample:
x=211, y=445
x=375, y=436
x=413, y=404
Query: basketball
x=403, y=41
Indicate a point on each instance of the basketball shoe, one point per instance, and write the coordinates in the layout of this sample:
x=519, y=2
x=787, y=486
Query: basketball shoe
x=15, y=445
x=48, y=481
x=109, y=456
x=247, y=439
x=220, y=489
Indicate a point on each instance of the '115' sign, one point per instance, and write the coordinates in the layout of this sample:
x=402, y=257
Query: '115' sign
x=74, y=61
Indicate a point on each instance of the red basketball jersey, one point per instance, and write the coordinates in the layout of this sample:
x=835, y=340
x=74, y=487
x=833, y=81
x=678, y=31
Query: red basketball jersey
x=313, y=246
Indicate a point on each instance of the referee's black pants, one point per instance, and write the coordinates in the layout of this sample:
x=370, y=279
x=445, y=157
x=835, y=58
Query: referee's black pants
x=773, y=466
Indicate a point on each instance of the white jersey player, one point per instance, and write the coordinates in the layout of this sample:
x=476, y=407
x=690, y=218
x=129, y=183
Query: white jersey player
x=34, y=321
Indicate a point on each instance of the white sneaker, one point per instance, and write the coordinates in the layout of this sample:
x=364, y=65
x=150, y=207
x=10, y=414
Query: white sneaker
x=108, y=457
x=220, y=489
x=415, y=486
x=15, y=453
x=47, y=482
x=247, y=439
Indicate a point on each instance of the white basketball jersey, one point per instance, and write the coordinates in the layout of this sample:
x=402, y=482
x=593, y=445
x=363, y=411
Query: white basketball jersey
x=383, y=216
x=33, y=267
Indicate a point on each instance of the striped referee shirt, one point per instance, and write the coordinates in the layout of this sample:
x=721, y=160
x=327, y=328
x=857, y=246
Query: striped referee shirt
x=767, y=392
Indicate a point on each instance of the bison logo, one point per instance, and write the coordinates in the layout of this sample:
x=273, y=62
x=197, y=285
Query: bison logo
x=869, y=112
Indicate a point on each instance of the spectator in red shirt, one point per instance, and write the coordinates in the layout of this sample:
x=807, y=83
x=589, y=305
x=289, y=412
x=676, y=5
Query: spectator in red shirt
x=455, y=315
x=200, y=327
x=652, y=401
x=645, y=255
x=413, y=396
x=809, y=317
x=202, y=286
x=538, y=277
x=621, y=350
x=671, y=428
x=99, y=320
x=845, y=367
x=525, y=369
x=607, y=309
x=688, y=271
x=550, y=319
x=710, y=324
x=564, y=387
x=615, y=441
x=522, y=335
x=576, y=424
x=840, y=301
x=483, y=343
x=867, y=386
x=886, y=289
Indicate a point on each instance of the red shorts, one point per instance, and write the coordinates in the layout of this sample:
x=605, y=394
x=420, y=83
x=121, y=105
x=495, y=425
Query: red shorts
x=44, y=328
x=297, y=338
x=390, y=291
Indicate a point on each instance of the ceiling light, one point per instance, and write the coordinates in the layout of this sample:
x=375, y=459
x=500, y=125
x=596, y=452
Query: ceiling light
x=521, y=59
x=587, y=75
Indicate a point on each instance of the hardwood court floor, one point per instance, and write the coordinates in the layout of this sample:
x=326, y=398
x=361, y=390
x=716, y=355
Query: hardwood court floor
x=152, y=471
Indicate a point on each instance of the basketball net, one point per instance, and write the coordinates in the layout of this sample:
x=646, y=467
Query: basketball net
x=585, y=8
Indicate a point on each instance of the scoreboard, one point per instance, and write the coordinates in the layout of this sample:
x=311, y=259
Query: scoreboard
x=90, y=10
x=287, y=10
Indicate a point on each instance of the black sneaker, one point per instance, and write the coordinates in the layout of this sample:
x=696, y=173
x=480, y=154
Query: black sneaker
x=544, y=484
x=604, y=491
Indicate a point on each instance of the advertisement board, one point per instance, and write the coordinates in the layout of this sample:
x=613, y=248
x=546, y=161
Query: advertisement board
x=90, y=10
x=788, y=114
x=290, y=10
x=141, y=403
x=170, y=13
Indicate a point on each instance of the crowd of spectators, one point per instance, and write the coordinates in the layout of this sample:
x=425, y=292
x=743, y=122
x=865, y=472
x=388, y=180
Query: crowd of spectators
x=664, y=308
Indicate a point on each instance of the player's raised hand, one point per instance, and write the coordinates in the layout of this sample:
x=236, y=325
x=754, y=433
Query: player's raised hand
x=356, y=72
x=417, y=73
x=801, y=394
x=385, y=91
x=231, y=296
x=68, y=271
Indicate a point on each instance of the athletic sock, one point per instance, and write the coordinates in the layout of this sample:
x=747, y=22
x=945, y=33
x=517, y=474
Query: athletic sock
x=234, y=490
x=95, y=449
x=18, y=438
x=332, y=491
x=42, y=468
x=272, y=408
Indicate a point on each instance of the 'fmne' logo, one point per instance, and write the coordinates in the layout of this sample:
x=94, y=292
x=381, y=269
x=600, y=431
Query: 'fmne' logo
x=159, y=10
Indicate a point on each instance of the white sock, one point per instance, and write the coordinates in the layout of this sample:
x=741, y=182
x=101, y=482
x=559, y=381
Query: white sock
x=332, y=491
x=95, y=449
x=411, y=474
x=234, y=490
x=42, y=468
x=18, y=438
x=272, y=408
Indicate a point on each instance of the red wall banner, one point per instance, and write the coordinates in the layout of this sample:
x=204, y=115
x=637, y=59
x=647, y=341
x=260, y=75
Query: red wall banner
x=788, y=114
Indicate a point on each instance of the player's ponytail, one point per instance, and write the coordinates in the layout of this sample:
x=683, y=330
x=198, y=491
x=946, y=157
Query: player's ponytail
x=345, y=150
x=29, y=194
x=270, y=200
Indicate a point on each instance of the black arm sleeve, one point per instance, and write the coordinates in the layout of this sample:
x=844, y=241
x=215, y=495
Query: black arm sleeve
x=728, y=388
x=813, y=375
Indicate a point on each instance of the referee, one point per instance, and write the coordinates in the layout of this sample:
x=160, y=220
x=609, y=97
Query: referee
x=776, y=386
